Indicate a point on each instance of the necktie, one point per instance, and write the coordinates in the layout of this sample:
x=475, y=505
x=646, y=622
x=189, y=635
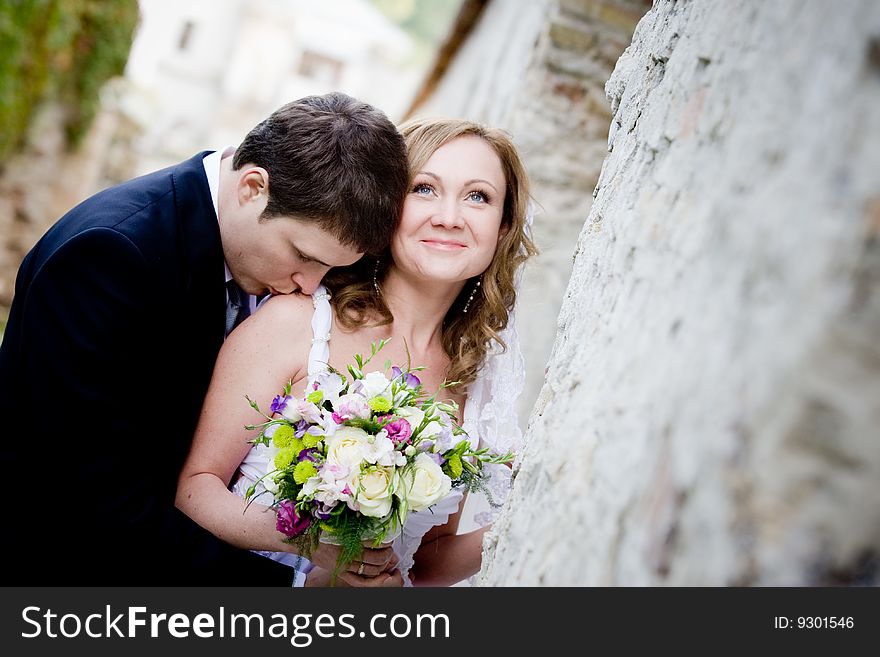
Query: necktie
x=238, y=306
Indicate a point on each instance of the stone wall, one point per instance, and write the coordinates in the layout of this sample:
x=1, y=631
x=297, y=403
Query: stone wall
x=538, y=69
x=712, y=404
x=47, y=178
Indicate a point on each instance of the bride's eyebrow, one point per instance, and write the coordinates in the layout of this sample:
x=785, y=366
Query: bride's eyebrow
x=480, y=180
x=469, y=182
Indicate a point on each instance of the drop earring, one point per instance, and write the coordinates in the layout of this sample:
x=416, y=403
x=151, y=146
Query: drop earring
x=473, y=293
x=376, y=279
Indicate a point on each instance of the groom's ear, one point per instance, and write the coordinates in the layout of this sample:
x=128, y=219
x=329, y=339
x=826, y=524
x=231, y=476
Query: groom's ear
x=253, y=182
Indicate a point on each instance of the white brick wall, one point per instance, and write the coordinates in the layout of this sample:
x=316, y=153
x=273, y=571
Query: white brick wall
x=713, y=400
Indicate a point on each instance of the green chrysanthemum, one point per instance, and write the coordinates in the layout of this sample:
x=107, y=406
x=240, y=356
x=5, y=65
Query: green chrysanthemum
x=454, y=466
x=285, y=457
x=310, y=440
x=283, y=436
x=303, y=471
x=380, y=404
x=316, y=397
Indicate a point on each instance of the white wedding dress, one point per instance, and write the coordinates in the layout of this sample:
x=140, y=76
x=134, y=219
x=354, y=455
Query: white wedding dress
x=489, y=416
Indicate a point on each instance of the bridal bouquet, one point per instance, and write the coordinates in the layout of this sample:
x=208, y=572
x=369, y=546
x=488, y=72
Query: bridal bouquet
x=352, y=458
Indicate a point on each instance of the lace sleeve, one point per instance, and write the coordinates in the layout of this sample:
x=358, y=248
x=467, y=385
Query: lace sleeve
x=490, y=413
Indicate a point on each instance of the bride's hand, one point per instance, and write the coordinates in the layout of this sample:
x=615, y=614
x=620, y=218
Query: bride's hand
x=319, y=577
x=376, y=566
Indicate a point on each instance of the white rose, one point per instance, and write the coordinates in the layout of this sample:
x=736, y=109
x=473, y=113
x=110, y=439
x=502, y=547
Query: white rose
x=427, y=484
x=375, y=490
x=345, y=448
x=375, y=384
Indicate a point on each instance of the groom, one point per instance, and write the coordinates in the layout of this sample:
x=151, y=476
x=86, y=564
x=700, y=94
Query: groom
x=118, y=315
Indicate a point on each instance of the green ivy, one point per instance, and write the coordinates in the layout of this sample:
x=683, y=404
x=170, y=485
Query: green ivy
x=62, y=50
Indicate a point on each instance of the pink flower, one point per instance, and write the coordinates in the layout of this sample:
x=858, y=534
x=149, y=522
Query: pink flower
x=352, y=407
x=399, y=431
x=288, y=521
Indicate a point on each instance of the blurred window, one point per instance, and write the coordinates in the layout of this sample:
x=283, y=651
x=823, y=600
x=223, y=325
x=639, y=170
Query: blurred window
x=185, y=35
x=320, y=67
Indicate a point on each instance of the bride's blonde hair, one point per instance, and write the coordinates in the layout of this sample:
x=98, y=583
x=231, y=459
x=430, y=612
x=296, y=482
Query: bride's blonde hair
x=465, y=336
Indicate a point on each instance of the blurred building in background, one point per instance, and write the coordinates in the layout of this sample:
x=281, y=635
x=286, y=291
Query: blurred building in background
x=203, y=72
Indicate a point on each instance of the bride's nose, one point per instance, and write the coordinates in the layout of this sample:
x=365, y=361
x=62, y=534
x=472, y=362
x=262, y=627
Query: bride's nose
x=447, y=214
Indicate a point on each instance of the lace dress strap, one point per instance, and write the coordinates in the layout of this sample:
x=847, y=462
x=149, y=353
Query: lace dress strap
x=319, y=354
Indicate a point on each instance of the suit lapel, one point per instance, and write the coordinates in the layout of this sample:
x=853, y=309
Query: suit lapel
x=202, y=251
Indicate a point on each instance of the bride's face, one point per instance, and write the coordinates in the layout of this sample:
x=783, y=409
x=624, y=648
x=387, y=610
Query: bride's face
x=451, y=221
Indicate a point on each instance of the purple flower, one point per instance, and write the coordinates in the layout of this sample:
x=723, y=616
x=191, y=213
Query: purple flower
x=288, y=522
x=308, y=454
x=439, y=460
x=279, y=403
x=301, y=428
x=409, y=379
x=399, y=431
x=322, y=511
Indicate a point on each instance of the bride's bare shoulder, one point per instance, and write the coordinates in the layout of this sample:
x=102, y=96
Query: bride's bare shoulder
x=283, y=319
x=293, y=307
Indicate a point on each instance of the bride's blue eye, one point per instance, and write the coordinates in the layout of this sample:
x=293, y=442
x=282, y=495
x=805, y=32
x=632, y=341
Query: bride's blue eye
x=477, y=197
x=423, y=189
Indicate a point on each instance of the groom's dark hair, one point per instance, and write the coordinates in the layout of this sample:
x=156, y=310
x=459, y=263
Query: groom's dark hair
x=334, y=160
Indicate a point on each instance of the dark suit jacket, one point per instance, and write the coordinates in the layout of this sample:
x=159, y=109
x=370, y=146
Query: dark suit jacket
x=117, y=319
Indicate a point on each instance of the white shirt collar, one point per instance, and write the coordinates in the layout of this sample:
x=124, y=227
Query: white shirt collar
x=211, y=162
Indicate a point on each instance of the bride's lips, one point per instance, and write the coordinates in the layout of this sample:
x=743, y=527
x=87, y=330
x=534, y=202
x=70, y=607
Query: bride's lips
x=444, y=245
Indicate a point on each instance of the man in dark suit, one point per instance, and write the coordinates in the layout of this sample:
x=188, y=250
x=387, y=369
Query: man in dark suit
x=118, y=315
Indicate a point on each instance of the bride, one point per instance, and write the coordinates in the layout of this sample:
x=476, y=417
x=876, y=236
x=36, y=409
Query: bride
x=444, y=294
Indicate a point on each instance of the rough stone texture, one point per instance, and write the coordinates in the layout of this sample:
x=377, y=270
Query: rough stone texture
x=560, y=122
x=45, y=180
x=712, y=405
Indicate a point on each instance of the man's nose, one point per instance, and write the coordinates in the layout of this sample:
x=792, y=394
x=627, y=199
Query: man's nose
x=308, y=282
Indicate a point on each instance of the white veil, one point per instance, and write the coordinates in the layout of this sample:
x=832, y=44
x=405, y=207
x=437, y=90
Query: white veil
x=490, y=413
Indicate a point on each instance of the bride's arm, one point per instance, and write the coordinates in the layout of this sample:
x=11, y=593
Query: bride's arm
x=445, y=557
x=257, y=359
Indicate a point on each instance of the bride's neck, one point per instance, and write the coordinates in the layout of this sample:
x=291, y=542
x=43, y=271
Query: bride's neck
x=418, y=307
